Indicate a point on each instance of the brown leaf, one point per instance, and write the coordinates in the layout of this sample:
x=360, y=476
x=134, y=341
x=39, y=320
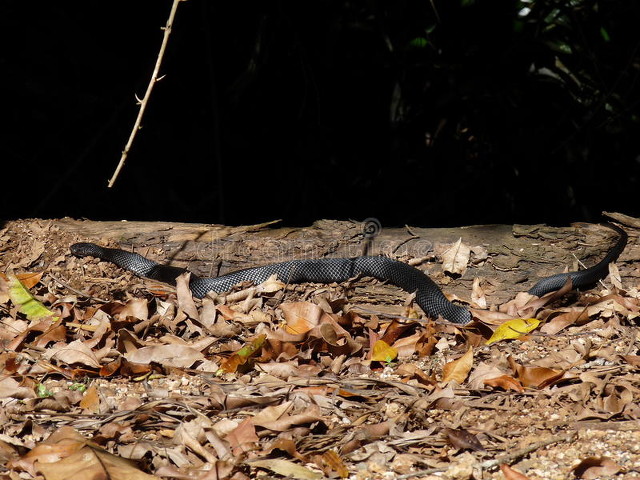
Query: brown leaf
x=75, y=352
x=110, y=368
x=185, y=296
x=91, y=400
x=427, y=341
x=412, y=371
x=243, y=438
x=181, y=356
x=560, y=322
x=614, y=276
x=511, y=474
x=455, y=258
x=286, y=445
x=29, y=280
x=67, y=454
x=394, y=331
x=135, y=307
x=9, y=387
x=538, y=377
x=615, y=398
x=406, y=346
x=285, y=422
x=463, y=439
x=595, y=467
x=458, y=370
x=285, y=468
x=243, y=355
x=506, y=382
x=632, y=360
x=333, y=463
x=478, y=298
x=301, y=317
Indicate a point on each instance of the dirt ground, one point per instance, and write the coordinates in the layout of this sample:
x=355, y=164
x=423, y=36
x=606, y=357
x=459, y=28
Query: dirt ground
x=305, y=381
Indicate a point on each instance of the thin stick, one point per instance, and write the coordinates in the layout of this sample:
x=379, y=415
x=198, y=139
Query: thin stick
x=494, y=462
x=147, y=95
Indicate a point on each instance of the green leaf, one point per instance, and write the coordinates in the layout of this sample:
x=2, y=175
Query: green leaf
x=419, y=42
x=42, y=391
x=26, y=303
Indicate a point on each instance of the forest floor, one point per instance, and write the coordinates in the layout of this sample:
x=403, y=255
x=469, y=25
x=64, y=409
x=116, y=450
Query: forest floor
x=108, y=374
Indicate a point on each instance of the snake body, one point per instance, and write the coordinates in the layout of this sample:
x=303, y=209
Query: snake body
x=326, y=270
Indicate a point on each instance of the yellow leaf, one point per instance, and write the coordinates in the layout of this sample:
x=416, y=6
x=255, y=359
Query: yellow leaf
x=383, y=352
x=26, y=303
x=513, y=329
x=458, y=369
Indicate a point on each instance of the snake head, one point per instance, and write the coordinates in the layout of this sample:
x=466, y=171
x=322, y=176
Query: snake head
x=85, y=249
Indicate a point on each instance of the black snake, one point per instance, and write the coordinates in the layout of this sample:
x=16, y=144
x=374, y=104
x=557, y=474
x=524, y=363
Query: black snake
x=326, y=270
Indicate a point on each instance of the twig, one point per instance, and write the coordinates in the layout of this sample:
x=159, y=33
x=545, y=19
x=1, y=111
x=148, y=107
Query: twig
x=78, y=292
x=521, y=452
x=507, y=458
x=147, y=95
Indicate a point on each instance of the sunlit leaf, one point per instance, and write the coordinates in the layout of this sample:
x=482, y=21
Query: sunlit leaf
x=513, y=329
x=596, y=467
x=458, y=370
x=26, y=303
x=335, y=463
x=42, y=392
x=511, y=474
x=286, y=468
x=506, y=382
x=231, y=364
x=383, y=352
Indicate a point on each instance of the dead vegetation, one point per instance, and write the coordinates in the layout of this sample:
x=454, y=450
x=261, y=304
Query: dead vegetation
x=123, y=376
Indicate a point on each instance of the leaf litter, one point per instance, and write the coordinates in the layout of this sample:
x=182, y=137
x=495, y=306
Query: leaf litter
x=296, y=382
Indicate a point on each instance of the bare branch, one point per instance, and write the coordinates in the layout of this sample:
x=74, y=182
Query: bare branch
x=147, y=95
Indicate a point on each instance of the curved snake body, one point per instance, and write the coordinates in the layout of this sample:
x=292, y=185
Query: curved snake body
x=326, y=270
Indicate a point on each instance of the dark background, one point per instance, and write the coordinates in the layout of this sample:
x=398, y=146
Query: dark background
x=414, y=112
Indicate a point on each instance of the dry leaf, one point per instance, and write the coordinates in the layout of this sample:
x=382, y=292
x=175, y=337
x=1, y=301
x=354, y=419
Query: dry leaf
x=614, y=276
x=506, y=382
x=595, y=467
x=91, y=400
x=76, y=352
x=334, y=464
x=241, y=357
x=478, y=298
x=538, y=377
x=560, y=322
x=463, y=439
x=286, y=468
x=458, y=370
x=66, y=454
x=180, y=356
x=456, y=258
x=511, y=474
x=300, y=317
x=243, y=438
